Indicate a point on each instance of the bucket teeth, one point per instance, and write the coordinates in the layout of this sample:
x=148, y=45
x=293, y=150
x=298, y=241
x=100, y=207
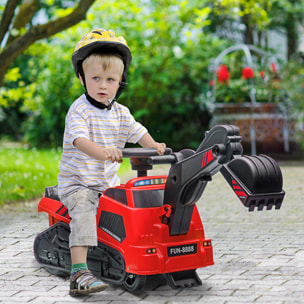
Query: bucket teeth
x=266, y=203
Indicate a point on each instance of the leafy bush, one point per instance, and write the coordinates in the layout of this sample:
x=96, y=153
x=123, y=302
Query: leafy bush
x=171, y=53
x=56, y=89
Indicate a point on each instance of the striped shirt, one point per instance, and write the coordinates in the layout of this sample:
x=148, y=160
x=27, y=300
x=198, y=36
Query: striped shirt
x=109, y=129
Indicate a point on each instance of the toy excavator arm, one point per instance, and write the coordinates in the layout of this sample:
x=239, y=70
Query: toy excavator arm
x=256, y=180
x=188, y=177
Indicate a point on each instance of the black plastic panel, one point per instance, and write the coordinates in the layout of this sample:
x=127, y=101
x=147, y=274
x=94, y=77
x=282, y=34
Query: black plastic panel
x=112, y=224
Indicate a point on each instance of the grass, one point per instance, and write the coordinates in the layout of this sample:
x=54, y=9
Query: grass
x=24, y=173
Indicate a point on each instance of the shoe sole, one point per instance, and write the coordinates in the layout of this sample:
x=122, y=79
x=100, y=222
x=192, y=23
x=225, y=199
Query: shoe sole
x=76, y=292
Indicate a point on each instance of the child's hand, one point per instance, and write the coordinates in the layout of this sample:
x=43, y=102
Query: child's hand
x=114, y=155
x=148, y=142
x=161, y=147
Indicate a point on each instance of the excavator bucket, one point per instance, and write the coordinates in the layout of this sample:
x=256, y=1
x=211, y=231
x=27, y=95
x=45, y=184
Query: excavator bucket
x=256, y=180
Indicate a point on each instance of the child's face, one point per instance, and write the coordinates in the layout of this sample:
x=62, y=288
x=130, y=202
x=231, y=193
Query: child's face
x=102, y=84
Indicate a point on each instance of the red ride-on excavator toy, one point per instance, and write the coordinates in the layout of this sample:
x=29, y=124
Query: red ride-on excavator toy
x=151, y=225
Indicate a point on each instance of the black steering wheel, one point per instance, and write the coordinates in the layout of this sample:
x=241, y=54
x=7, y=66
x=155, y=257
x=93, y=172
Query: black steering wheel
x=142, y=152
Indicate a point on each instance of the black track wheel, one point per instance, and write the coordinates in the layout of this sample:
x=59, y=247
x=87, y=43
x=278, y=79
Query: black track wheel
x=134, y=282
x=57, y=272
x=51, y=249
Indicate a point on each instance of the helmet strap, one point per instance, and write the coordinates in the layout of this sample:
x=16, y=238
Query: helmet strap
x=122, y=85
x=97, y=104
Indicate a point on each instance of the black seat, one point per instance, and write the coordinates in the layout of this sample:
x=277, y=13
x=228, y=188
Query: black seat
x=52, y=192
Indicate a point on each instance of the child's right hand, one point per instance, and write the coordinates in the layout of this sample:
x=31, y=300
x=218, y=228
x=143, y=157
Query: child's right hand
x=114, y=155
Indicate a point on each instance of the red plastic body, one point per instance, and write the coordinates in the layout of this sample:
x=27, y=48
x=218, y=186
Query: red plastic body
x=147, y=248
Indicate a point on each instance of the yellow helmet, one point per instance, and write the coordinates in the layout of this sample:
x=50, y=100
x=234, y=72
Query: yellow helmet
x=103, y=41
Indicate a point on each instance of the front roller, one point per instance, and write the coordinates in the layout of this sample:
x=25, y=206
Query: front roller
x=256, y=180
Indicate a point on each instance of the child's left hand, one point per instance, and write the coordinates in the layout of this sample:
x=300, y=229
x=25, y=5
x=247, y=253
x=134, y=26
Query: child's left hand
x=160, y=147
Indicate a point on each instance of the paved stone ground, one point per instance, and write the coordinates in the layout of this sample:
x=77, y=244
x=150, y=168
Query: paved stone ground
x=259, y=257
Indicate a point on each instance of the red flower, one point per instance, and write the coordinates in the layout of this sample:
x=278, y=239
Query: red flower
x=276, y=84
x=247, y=73
x=262, y=74
x=273, y=66
x=211, y=82
x=223, y=74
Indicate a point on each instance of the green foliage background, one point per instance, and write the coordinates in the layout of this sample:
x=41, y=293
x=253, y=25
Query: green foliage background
x=172, y=43
x=171, y=53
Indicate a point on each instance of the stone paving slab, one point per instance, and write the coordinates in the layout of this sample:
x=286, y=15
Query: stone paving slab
x=259, y=256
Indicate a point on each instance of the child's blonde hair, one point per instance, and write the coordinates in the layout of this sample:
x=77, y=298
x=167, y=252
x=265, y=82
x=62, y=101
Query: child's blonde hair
x=106, y=60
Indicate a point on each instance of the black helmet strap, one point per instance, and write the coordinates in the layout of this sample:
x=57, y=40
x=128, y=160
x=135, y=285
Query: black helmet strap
x=122, y=85
x=97, y=104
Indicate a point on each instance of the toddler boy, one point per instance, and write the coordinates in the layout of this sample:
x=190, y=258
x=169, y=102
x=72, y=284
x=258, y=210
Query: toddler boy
x=96, y=128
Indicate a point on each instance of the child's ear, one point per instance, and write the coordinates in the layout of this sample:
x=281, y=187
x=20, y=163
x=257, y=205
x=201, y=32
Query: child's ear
x=81, y=80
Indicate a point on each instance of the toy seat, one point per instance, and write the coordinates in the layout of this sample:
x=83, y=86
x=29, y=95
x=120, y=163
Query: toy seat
x=52, y=192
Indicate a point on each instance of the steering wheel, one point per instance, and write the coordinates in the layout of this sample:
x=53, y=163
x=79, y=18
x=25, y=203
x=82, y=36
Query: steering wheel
x=142, y=152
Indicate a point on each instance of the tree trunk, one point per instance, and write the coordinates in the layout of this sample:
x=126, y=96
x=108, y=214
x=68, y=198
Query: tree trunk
x=7, y=17
x=292, y=36
x=248, y=39
x=20, y=43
